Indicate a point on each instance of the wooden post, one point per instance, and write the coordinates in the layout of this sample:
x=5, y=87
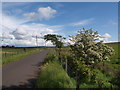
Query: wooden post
x=66, y=64
x=5, y=54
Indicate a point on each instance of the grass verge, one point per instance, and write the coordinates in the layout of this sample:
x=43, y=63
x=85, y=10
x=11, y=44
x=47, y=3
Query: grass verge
x=53, y=76
x=19, y=56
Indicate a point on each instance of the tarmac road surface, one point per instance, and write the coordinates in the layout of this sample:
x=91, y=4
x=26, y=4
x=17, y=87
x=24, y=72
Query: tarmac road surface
x=23, y=73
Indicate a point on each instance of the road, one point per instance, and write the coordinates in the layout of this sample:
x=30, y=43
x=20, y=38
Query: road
x=22, y=73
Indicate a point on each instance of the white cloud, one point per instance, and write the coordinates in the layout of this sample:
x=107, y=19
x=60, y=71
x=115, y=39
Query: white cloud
x=114, y=23
x=11, y=22
x=31, y=15
x=83, y=22
x=14, y=32
x=47, y=12
x=43, y=13
x=110, y=23
x=19, y=34
x=31, y=30
x=48, y=43
x=105, y=37
x=25, y=35
x=8, y=24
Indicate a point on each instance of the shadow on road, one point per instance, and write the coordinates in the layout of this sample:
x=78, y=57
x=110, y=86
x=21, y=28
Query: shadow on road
x=30, y=83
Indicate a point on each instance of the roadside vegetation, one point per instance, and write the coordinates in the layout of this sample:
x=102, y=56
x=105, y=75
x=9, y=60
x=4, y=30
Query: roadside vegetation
x=16, y=53
x=52, y=74
x=87, y=63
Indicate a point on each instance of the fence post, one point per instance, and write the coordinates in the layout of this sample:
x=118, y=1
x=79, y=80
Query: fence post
x=5, y=54
x=66, y=64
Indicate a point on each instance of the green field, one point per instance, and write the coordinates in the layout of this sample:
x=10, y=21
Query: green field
x=8, y=55
x=115, y=59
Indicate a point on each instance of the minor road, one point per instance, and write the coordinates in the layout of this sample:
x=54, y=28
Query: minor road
x=22, y=73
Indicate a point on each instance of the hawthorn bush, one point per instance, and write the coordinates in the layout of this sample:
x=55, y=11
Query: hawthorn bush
x=88, y=51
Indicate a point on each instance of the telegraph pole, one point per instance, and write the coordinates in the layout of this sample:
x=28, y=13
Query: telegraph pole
x=38, y=37
x=36, y=40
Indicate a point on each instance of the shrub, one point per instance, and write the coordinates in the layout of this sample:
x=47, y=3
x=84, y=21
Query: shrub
x=100, y=79
x=105, y=68
x=116, y=79
x=51, y=57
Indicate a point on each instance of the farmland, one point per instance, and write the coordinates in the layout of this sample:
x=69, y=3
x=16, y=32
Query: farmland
x=115, y=59
x=15, y=53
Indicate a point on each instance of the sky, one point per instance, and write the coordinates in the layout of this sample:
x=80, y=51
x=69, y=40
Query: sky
x=22, y=21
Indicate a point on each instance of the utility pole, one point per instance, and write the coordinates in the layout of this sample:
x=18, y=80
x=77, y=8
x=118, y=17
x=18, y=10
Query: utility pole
x=36, y=40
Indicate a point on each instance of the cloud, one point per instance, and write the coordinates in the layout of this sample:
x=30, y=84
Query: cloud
x=47, y=12
x=8, y=24
x=83, y=22
x=105, y=37
x=25, y=35
x=43, y=13
x=31, y=15
x=20, y=34
x=11, y=22
x=14, y=31
x=114, y=23
x=31, y=30
x=110, y=23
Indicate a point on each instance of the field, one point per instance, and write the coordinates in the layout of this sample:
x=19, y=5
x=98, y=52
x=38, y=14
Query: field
x=8, y=55
x=115, y=59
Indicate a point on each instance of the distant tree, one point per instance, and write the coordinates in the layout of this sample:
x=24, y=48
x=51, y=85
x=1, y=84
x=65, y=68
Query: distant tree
x=13, y=46
x=88, y=49
x=57, y=40
x=3, y=46
x=7, y=46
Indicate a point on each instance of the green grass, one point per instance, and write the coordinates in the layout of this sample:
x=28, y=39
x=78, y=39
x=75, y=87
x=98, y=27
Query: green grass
x=115, y=59
x=52, y=75
x=12, y=54
x=84, y=85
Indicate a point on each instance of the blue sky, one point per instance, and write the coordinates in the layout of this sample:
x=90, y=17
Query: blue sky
x=64, y=18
